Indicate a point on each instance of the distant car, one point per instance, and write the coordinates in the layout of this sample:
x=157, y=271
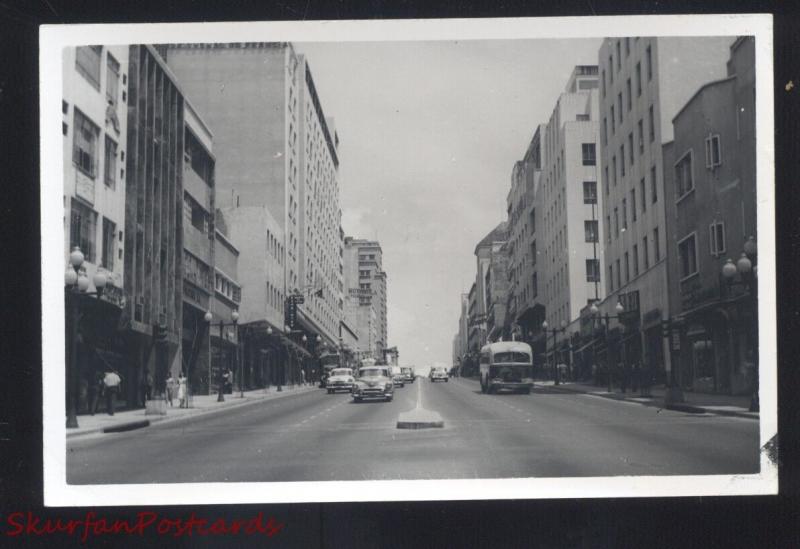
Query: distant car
x=398, y=378
x=439, y=374
x=408, y=373
x=340, y=379
x=374, y=382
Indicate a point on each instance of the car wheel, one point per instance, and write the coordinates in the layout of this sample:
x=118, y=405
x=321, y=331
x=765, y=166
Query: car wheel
x=389, y=399
x=446, y=380
x=527, y=391
x=356, y=399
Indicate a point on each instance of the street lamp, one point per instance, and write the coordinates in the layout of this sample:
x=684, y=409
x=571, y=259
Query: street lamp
x=239, y=361
x=270, y=332
x=748, y=279
x=76, y=286
x=605, y=318
x=222, y=324
x=554, y=331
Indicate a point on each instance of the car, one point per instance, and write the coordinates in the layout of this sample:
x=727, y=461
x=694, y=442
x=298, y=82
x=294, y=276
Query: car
x=340, y=379
x=398, y=378
x=439, y=374
x=408, y=373
x=374, y=382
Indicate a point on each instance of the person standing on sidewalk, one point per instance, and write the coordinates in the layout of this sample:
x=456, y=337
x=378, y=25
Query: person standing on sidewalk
x=111, y=381
x=97, y=393
x=169, y=386
x=147, y=387
x=182, y=391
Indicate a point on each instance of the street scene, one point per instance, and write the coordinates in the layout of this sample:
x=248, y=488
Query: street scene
x=410, y=260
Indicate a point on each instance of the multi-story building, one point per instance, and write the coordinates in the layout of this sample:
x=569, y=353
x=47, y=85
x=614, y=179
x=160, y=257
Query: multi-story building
x=643, y=83
x=569, y=235
x=281, y=153
x=154, y=211
x=198, y=342
x=365, y=281
x=227, y=343
x=474, y=330
x=492, y=281
x=710, y=192
x=94, y=126
x=461, y=344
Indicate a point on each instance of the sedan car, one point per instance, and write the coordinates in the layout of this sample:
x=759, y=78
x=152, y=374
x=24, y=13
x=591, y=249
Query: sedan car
x=439, y=374
x=408, y=374
x=340, y=379
x=374, y=382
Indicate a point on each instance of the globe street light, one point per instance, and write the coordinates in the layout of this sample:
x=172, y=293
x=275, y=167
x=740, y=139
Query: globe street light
x=555, y=331
x=76, y=287
x=619, y=308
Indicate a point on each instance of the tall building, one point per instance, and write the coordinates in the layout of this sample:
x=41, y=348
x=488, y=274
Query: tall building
x=95, y=136
x=154, y=212
x=276, y=149
x=643, y=83
x=365, y=281
x=710, y=192
x=491, y=266
x=569, y=234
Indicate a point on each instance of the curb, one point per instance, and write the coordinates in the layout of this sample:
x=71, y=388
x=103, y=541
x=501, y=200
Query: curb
x=138, y=424
x=675, y=407
x=420, y=424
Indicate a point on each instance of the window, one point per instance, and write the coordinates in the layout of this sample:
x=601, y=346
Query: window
x=638, y=79
x=645, y=253
x=109, y=233
x=653, y=185
x=582, y=117
x=588, y=153
x=535, y=285
x=684, y=183
x=641, y=136
x=590, y=230
x=651, y=121
x=590, y=192
x=713, y=153
x=635, y=260
x=627, y=47
x=613, y=121
x=606, y=180
x=649, y=60
x=84, y=144
x=619, y=57
x=622, y=160
x=604, y=84
x=630, y=95
x=614, y=167
x=624, y=214
x=110, y=162
x=716, y=236
x=643, y=195
x=112, y=79
x=64, y=128
x=83, y=228
x=633, y=204
x=619, y=275
x=630, y=148
x=611, y=69
x=611, y=276
x=592, y=270
x=627, y=268
x=87, y=62
x=605, y=130
x=608, y=228
x=619, y=107
x=656, y=245
x=616, y=221
x=687, y=254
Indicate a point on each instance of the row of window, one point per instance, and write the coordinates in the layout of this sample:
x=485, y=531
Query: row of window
x=624, y=266
x=83, y=233
x=648, y=66
x=687, y=248
x=275, y=297
x=639, y=205
x=88, y=63
x=227, y=288
x=274, y=248
x=85, y=153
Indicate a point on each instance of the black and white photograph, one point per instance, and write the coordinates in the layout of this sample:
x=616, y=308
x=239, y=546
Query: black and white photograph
x=362, y=261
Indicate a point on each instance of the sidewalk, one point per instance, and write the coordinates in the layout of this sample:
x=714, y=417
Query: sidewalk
x=698, y=403
x=199, y=404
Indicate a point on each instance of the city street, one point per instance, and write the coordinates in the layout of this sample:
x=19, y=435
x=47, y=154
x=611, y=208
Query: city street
x=314, y=436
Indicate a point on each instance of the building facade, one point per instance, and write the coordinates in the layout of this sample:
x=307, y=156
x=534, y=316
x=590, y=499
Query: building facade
x=94, y=128
x=710, y=192
x=365, y=281
x=643, y=83
x=492, y=281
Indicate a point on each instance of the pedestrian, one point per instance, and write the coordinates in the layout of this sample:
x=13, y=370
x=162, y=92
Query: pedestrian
x=169, y=388
x=647, y=380
x=97, y=394
x=182, y=391
x=111, y=381
x=147, y=387
x=303, y=376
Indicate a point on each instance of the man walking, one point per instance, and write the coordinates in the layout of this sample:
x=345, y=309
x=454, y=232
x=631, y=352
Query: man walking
x=111, y=381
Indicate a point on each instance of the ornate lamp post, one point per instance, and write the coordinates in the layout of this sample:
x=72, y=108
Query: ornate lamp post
x=603, y=319
x=748, y=278
x=235, y=323
x=554, y=331
x=76, y=286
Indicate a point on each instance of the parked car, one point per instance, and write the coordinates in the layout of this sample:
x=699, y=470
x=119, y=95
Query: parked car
x=340, y=379
x=439, y=374
x=374, y=382
x=408, y=374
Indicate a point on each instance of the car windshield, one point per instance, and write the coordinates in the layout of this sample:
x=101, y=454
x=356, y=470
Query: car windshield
x=511, y=356
x=341, y=372
x=372, y=372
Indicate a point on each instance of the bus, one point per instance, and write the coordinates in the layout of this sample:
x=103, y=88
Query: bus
x=506, y=365
x=327, y=362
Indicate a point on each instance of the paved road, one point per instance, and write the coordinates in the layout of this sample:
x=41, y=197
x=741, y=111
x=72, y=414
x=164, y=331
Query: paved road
x=316, y=436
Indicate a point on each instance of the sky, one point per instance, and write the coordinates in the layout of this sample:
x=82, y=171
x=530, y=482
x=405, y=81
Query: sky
x=429, y=132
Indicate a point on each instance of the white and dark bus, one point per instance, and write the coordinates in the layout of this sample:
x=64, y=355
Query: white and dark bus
x=506, y=365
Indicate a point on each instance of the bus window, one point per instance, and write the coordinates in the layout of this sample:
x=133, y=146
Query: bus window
x=508, y=357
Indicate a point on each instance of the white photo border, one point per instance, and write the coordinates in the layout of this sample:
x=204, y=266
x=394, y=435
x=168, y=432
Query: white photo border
x=53, y=38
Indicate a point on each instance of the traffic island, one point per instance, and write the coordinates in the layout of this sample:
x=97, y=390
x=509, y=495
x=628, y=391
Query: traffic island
x=129, y=426
x=420, y=419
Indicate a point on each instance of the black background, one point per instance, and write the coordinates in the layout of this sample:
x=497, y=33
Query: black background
x=668, y=522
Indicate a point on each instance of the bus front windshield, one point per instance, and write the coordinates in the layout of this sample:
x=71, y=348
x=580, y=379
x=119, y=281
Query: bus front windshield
x=512, y=357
